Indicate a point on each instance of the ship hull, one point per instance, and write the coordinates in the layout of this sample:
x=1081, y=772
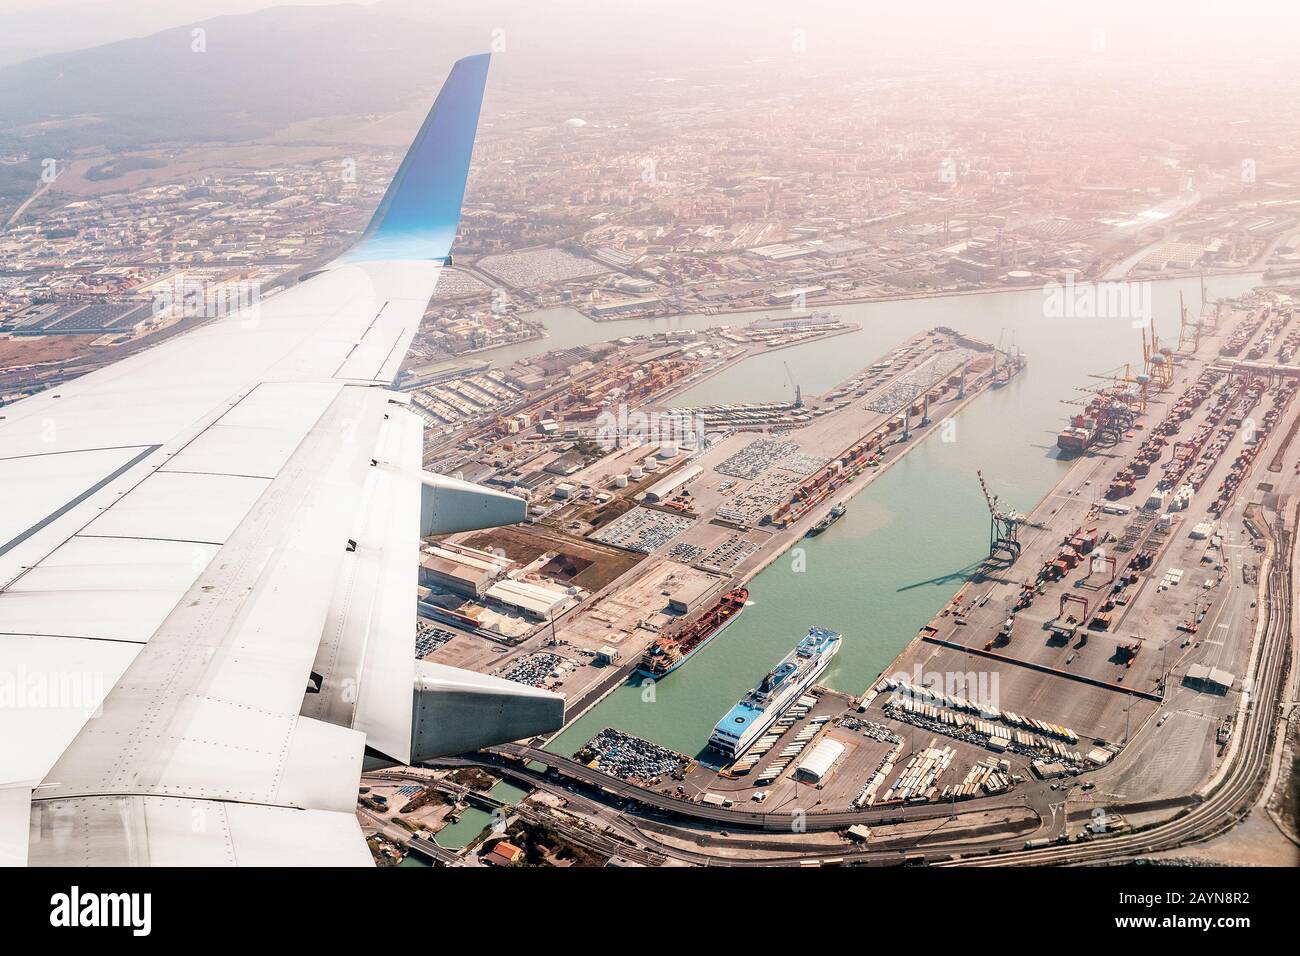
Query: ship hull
x=1071, y=444
x=735, y=600
x=647, y=672
x=826, y=522
x=774, y=713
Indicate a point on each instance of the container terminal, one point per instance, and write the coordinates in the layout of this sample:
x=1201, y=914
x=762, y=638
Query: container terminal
x=1101, y=658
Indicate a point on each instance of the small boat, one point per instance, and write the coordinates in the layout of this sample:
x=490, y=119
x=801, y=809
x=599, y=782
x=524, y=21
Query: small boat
x=832, y=516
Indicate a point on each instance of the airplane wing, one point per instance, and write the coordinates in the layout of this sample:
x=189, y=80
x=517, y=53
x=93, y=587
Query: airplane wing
x=208, y=567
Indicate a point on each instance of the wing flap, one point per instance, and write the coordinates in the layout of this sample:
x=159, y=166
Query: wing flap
x=457, y=711
x=448, y=505
x=366, y=655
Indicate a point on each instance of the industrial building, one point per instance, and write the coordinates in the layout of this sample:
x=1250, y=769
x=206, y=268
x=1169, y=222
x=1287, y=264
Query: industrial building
x=817, y=765
x=669, y=486
x=620, y=306
x=1210, y=679
x=461, y=570
x=692, y=595
x=80, y=318
x=537, y=601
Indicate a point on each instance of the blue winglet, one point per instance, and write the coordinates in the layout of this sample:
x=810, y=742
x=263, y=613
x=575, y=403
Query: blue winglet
x=419, y=213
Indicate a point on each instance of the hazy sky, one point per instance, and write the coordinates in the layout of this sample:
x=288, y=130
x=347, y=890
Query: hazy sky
x=1133, y=28
x=31, y=28
x=184, y=9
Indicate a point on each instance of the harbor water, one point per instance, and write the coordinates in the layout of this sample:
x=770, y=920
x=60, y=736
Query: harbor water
x=909, y=539
x=473, y=821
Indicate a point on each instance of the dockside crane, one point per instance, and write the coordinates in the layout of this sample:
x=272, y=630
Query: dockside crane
x=1115, y=407
x=1157, y=362
x=1126, y=388
x=798, y=392
x=1189, y=331
x=1004, y=524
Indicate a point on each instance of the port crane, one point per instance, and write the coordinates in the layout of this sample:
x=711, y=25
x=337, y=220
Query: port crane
x=1065, y=600
x=1118, y=404
x=1004, y=524
x=798, y=392
x=1189, y=331
x=1012, y=361
x=1157, y=362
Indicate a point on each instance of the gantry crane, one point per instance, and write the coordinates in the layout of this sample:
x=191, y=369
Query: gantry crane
x=1158, y=362
x=1066, y=598
x=1136, y=397
x=1004, y=525
x=1115, y=406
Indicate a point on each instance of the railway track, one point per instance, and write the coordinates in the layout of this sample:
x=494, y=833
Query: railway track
x=590, y=839
x=676, y=807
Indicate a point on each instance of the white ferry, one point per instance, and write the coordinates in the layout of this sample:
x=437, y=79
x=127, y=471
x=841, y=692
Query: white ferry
x=783, y=685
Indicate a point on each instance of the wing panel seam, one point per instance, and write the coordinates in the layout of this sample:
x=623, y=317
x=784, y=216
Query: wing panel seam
x=68, y=506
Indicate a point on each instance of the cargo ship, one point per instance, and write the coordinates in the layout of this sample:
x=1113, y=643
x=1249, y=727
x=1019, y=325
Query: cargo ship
x=664, y=657
x=1076, y=438
x=758, y=710
x=1011, y=367
x=1109, y=414
x=832, y=516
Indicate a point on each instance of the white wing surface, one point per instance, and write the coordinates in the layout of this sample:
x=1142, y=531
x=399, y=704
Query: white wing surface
x=208, y=559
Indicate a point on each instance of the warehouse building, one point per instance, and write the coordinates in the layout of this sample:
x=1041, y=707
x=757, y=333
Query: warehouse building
x=1209, y=679
x=816, y=767
x=79, y=318
x=670, y=485
x=537, y=601
x=463, y=570
x=692, y=595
